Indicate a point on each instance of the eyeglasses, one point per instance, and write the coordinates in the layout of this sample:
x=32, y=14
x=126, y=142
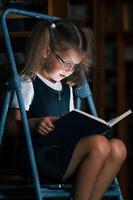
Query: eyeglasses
x=66, y=65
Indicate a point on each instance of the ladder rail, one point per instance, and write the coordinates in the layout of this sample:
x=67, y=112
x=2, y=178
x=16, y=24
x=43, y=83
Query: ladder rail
x=16, y=84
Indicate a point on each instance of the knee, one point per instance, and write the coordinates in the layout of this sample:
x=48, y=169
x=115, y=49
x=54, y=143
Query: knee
x=118, y=150
x=101, y=147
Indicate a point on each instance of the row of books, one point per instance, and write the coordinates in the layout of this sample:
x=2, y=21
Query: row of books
x=4, y=66
x=39, y=2
x=24, y=4
x=128, y=17
x=111, y=50
x=83, y=12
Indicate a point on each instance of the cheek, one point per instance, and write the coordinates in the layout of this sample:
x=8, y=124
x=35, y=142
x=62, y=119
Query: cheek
x=54, y=72
x=50, y=67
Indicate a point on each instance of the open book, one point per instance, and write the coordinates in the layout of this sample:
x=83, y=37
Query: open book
x=77, y=124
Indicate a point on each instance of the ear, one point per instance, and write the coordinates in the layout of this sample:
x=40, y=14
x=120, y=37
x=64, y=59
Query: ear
x=46, y=52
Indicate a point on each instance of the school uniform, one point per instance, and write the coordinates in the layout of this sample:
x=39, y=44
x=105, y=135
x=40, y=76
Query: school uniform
x=43, y=98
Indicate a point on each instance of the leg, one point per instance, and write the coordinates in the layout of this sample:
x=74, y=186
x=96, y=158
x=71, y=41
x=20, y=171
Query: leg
x=110, y=169
x=89, y=156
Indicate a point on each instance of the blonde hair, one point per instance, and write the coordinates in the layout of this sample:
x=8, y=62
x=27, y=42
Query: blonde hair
x=62, y=36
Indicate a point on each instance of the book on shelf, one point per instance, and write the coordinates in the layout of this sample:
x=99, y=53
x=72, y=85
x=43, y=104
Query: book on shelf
x=127, y=17
x=111, y=14
x=129, y=53
x=78, y=12
x=78, y=124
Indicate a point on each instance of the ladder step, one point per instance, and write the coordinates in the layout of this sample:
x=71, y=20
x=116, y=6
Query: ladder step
x=18, y=192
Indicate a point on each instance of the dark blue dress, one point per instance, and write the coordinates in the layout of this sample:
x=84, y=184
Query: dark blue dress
x=52, y=155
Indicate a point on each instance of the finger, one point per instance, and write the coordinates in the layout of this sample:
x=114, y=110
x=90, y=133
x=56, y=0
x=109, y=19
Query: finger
x=49, y=129
x=42, y=132
x=50, y=124
x=53, y=118
x=45, y=130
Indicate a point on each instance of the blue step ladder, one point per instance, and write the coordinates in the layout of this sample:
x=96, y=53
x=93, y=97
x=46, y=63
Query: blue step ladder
x=36, y=190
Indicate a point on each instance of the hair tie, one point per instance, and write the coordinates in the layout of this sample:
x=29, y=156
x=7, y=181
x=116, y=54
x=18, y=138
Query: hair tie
x=53, y=25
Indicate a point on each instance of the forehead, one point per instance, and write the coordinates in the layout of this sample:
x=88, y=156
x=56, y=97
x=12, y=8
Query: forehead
x=71, y=55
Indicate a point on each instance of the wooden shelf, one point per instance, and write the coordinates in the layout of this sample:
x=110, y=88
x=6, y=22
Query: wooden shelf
x=17, y=34
x=14, y=16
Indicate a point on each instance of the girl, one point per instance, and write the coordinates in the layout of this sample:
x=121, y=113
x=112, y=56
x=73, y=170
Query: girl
x=56, y=52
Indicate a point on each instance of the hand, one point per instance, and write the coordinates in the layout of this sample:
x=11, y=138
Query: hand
x=45, y=125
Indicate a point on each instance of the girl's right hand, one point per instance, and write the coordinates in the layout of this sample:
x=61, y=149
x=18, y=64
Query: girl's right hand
x=45, y=125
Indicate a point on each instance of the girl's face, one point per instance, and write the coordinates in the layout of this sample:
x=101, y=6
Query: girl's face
x=61, y=64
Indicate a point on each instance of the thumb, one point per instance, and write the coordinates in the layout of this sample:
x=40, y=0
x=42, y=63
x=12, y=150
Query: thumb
x=53, y=118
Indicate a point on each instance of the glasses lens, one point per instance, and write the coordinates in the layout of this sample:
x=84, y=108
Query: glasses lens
x=65, y=65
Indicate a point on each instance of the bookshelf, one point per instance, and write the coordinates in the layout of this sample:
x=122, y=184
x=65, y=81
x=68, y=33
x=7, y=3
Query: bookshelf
x=49, y=7
x=111, y=22
x=78, y=12
x=127, y=36
x=117, y=77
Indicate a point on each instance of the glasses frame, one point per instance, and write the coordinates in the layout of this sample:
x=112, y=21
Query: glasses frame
x=65, y=65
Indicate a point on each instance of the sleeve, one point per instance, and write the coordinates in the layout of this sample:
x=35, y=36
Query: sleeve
x=27, y=93
x=71, y=99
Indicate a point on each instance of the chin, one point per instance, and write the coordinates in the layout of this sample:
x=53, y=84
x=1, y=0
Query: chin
x=56, y=80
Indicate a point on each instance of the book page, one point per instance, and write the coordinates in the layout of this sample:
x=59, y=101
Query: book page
x=113, y=121
x=91, y=116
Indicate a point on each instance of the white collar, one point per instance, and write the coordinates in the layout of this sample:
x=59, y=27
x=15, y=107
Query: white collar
x=55, y=86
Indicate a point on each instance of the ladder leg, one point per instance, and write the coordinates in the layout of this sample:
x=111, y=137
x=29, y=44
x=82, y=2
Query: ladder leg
x=4, y=112
x=78, y=103
x=29, y=144
x=120, y=197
